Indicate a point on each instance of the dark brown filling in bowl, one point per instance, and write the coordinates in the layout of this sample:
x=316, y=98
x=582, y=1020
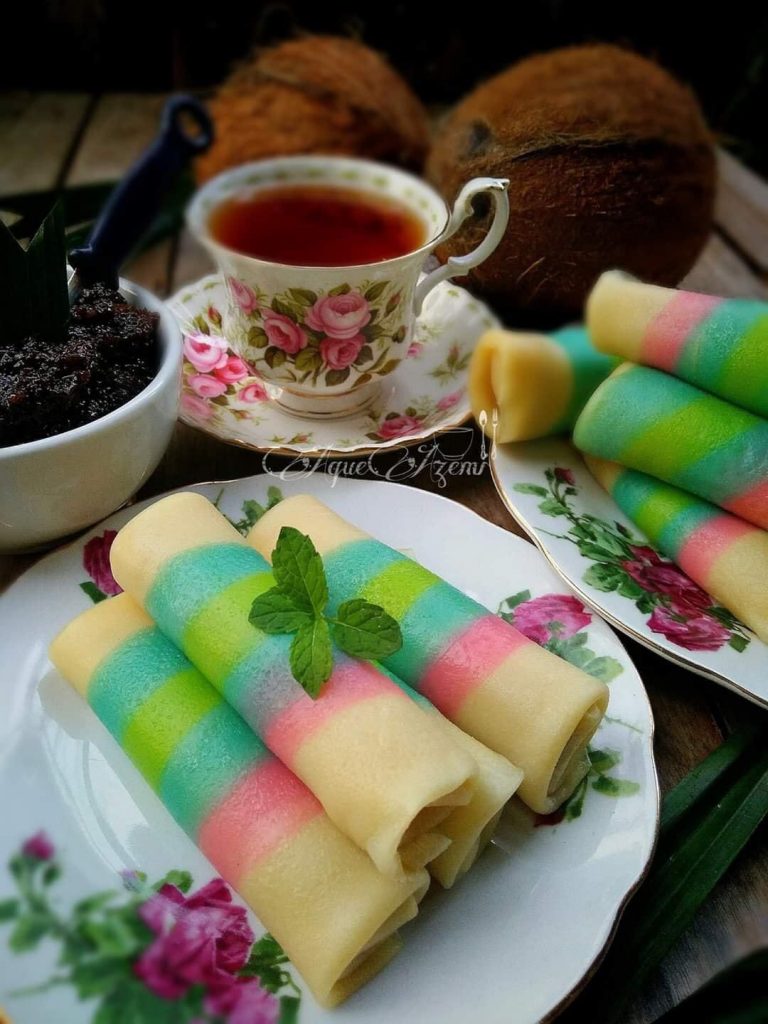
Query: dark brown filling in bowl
x=108, y=355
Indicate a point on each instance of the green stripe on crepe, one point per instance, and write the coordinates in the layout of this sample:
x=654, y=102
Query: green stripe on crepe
x=744, y=376
x=164, y=719
x=130, y=674
x=206, y=764
x=192, y=578
x=665, y=514
x=219, y=636
x=623, y=408
x=398, y=586
x=711, y=342
x=588, y=369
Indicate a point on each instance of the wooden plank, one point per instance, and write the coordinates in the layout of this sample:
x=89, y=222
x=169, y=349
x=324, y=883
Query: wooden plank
x=721, y=271
x=121, y=127
x=36, y=133
x=741, y=209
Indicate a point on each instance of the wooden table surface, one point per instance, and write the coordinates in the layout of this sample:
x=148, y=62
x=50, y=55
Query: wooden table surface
x=48, y=140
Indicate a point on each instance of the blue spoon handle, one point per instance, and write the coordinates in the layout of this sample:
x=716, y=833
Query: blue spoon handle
x=135, y=202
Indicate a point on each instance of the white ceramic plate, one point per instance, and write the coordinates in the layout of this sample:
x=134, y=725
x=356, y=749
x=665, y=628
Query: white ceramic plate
x=425, y=395
x=613, y=567
x=510, y=945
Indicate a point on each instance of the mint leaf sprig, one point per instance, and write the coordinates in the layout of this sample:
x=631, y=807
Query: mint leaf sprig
x=297, y=605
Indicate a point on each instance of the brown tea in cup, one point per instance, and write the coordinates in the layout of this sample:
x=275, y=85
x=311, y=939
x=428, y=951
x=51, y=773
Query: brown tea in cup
x=317, y=226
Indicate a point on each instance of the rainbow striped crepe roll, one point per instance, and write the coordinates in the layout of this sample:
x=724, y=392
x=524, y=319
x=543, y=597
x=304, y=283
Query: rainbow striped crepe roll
x=537, y=384
x=333, y=913
x=657, y=424
x=720, y=345
x=504, y=690
x=382, y=770
x=722, y=553
x=470, y=827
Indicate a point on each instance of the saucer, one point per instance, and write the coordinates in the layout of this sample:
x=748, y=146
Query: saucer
x=425, y=395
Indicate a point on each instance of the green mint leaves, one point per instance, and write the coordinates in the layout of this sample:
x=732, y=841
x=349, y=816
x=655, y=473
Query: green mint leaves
x=297, y=605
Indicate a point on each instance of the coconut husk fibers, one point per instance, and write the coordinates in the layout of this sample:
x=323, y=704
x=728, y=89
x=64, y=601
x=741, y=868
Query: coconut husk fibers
x=610, y=164
x=317, y=94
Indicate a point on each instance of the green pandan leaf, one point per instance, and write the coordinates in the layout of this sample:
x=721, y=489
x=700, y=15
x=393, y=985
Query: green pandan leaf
x=33, y=284
x=706, y=821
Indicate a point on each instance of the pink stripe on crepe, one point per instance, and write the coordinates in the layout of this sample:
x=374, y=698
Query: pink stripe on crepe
x=350, y=682
x=752, y=505
x=707, y=543
x=666, y=335
x=467, y=662
x=262, y=810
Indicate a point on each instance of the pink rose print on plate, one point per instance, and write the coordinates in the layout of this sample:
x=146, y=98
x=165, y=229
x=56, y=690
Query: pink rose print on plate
x=565, y=476
x=206, y=386
x=338, y=353
x=283, y=333
x=202, y=939
x=243, y=1001
x=339, y=316
x=414, y=350
x=205, y=352
x=553, y=614
x=663, y=578
x=96, y=563
x=697, y=633
x=233, y=370
x=253, y=392
x=195, y=406
x=450, y=401
x=398, y=426
x=243, y=296
x=39, y=847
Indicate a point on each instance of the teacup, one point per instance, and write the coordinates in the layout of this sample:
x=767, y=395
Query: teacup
x=325, y=337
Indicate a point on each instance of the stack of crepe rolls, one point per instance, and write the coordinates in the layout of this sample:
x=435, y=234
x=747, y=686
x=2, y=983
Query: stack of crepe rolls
x=511, y=695
x=383, y=770
x=678, y=435
x=335, y=915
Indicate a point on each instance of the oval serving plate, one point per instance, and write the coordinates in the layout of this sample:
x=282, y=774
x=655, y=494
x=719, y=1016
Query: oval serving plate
x=511, y=944
x=612, y=566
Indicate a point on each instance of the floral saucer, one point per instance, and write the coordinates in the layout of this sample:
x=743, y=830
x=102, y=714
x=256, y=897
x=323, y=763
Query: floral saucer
x=425, y=395
x=612, y=566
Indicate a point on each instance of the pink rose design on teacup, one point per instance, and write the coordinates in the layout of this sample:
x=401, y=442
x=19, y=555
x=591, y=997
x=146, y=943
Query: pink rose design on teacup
x=398, y=426
x=339, y=353
x=243, y=296
x=206, y=386
x=206, y=352
x=233, y=370
x=283, y=333
x=195, y=406
x=339, y=316
x=254, y=392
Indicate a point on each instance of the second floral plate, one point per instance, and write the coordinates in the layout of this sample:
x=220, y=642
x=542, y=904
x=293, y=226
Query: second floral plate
x=613, y=567
x=425, y=395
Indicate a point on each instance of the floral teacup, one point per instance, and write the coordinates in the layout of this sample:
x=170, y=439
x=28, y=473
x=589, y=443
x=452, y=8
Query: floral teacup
x=326, y=336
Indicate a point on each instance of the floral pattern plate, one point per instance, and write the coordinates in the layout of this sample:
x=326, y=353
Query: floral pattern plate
x=425, y=395
x=109, y=914
x=613, y=567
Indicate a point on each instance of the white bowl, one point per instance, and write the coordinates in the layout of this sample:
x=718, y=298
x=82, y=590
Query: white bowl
x=55, y=486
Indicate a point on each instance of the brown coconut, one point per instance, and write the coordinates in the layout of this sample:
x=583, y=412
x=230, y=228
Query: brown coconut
x=317, y=94
x=610, y=164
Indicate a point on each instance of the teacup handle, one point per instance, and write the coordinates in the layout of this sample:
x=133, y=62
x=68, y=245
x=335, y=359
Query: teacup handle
x=455, y=266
